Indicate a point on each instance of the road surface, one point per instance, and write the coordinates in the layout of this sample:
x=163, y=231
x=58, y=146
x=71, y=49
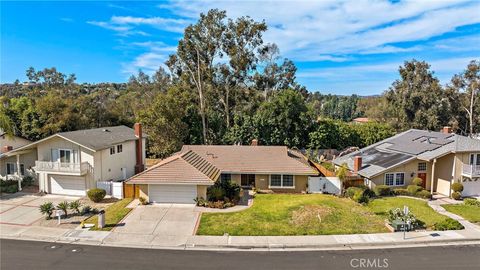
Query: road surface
x=42, y=255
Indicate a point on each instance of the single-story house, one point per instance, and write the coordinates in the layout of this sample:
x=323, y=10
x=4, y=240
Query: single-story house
x=186, y=175
x=438, y=158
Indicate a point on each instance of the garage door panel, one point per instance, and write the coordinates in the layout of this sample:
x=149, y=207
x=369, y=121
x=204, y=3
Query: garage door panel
x=68, y=185
x=172, y=193
x=471, y=188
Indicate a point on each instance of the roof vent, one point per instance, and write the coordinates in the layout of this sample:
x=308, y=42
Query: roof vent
x=212, y=155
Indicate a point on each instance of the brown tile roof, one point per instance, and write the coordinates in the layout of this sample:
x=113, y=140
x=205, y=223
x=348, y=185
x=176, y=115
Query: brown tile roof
x=253, y=159
x=181, y=168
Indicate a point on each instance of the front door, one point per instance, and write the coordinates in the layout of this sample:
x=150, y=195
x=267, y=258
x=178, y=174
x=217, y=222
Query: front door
x=248, y=180
x=423, y=176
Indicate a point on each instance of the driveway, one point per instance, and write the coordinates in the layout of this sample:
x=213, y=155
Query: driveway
x=22, y=208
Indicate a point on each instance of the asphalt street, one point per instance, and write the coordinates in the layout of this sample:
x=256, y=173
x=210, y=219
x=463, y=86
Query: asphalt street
x=18, y=255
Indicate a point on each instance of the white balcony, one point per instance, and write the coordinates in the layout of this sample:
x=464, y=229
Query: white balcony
x=62, y=168
x=471, y=170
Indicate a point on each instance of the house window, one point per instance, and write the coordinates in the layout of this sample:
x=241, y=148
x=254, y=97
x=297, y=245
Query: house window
x=10, y=168
x=422, y=166
x=112, y=150
x=282, y=181
x=119, y=148
x=225, y=177
x=395, y=179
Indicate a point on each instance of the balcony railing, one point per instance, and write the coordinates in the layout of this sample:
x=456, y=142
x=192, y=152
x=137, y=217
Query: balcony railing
x=471, y=170
x=60, y=167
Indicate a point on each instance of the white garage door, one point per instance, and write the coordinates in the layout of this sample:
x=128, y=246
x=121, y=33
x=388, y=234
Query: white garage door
x=471, y=188
x=67, y=185
x=172, y=193
x=443, y=187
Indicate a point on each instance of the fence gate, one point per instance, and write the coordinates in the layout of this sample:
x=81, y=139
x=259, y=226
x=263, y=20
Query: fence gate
x=107, y=185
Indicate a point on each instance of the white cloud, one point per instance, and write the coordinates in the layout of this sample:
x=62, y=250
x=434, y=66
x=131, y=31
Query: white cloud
x=149, y=62
x=125, y=24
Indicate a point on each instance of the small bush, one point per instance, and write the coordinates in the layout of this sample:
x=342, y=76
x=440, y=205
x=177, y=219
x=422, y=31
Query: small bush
x=350, y=192
x=413, y=189
x=448, y=224
x=96, y=194
x=75, y=205
x=401, y=191
x=11, y=189
x=143, y=200
x=382, y=190
x=86, y=209
x=47, y=209
x=472, y=202
x=200, y=201
x=425, y=194
x=456, y=195
x=64, y=207
x=27, y=181
x=215, y=193
x=361, y=196
x=457, y=187
x=417, y=181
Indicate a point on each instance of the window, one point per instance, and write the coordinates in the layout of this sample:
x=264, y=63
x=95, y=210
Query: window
x=112, y=150
x=422, y=166
x=275, y=180
x=395, y=179
x=399, y=179
x=282, y=181
x=10, y=168
x=225, y=177
x=119, y=148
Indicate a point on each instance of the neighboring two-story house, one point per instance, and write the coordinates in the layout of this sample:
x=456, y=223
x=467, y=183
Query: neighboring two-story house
x=72, y=162
x=439, y=158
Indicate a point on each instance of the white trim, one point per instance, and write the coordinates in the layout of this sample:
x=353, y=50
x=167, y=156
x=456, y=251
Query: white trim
x=394, y=179
x=281, y=181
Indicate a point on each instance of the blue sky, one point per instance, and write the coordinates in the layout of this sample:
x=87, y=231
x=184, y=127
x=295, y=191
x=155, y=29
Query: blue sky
x=339, y=47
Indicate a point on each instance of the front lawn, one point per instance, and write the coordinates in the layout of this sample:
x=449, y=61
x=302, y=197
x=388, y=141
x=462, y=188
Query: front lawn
x=419, y=208
x=469, y=212
x=113, y=214
x=294, y=214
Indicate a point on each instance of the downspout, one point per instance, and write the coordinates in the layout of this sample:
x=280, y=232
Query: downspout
x=433, y=176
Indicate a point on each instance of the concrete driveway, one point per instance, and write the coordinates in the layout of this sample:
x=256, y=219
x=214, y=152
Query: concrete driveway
x=22, y=208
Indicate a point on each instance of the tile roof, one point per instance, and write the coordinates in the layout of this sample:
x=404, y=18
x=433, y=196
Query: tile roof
x=253, y=159
x=181, y=168
x=406, y=146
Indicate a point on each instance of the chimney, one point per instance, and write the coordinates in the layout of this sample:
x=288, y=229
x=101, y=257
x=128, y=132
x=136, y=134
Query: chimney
x=139, y=167
x=447, y=130
x=254, y=142
x=357, y=164
x=7, y=148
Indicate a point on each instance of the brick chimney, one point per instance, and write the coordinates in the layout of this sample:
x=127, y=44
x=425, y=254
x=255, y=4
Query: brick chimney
x=357, y=164
x=7, y=148
x=254, y=142
x=447, y=130
x=139, y=166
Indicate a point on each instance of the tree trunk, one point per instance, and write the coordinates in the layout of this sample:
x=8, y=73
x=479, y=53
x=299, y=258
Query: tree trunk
x=227, y=106
x=202, y=100
x=472, y=99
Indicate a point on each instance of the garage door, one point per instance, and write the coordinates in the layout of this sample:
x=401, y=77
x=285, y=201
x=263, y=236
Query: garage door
x=471, y=188
x=172, y=193
x=443, y=187
x=67, y=185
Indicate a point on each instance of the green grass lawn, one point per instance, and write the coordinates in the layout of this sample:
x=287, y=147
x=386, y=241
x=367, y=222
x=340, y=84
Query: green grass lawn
x=113, y=214
x=419, y=208
x=294, y=214
x=469, y=212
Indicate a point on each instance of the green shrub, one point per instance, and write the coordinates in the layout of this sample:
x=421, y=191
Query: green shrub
x=64, y=207
x=457, y=187
x=215, y=193
x=75, y=205
x=47, y=209
x=413, y=189
x=11, y=189
x=96, y=194
x=397, y=214
x=200, y=201
x=401, y=191
x=382, y=190
x=86, y=209
x=224, y=190
x=350, y=192
x=27, y=181
x=456, y=195
x=425, y=194
x=362, y=196
x=417, y=181
x=448, y=224
x=472, y=202
x=143, y=200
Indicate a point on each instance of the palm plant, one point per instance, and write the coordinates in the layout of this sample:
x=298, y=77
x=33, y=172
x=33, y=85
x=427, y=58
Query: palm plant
x=75, y=205
x=64, y=207
x=47, y=209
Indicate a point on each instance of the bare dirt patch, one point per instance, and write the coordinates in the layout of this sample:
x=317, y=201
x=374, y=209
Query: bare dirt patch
x=310, y=213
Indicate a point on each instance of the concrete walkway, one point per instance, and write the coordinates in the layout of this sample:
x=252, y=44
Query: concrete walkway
x=436, y=204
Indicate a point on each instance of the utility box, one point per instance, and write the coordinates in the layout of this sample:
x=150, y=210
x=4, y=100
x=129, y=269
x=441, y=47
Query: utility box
x=401, y=226
x=101, y=219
